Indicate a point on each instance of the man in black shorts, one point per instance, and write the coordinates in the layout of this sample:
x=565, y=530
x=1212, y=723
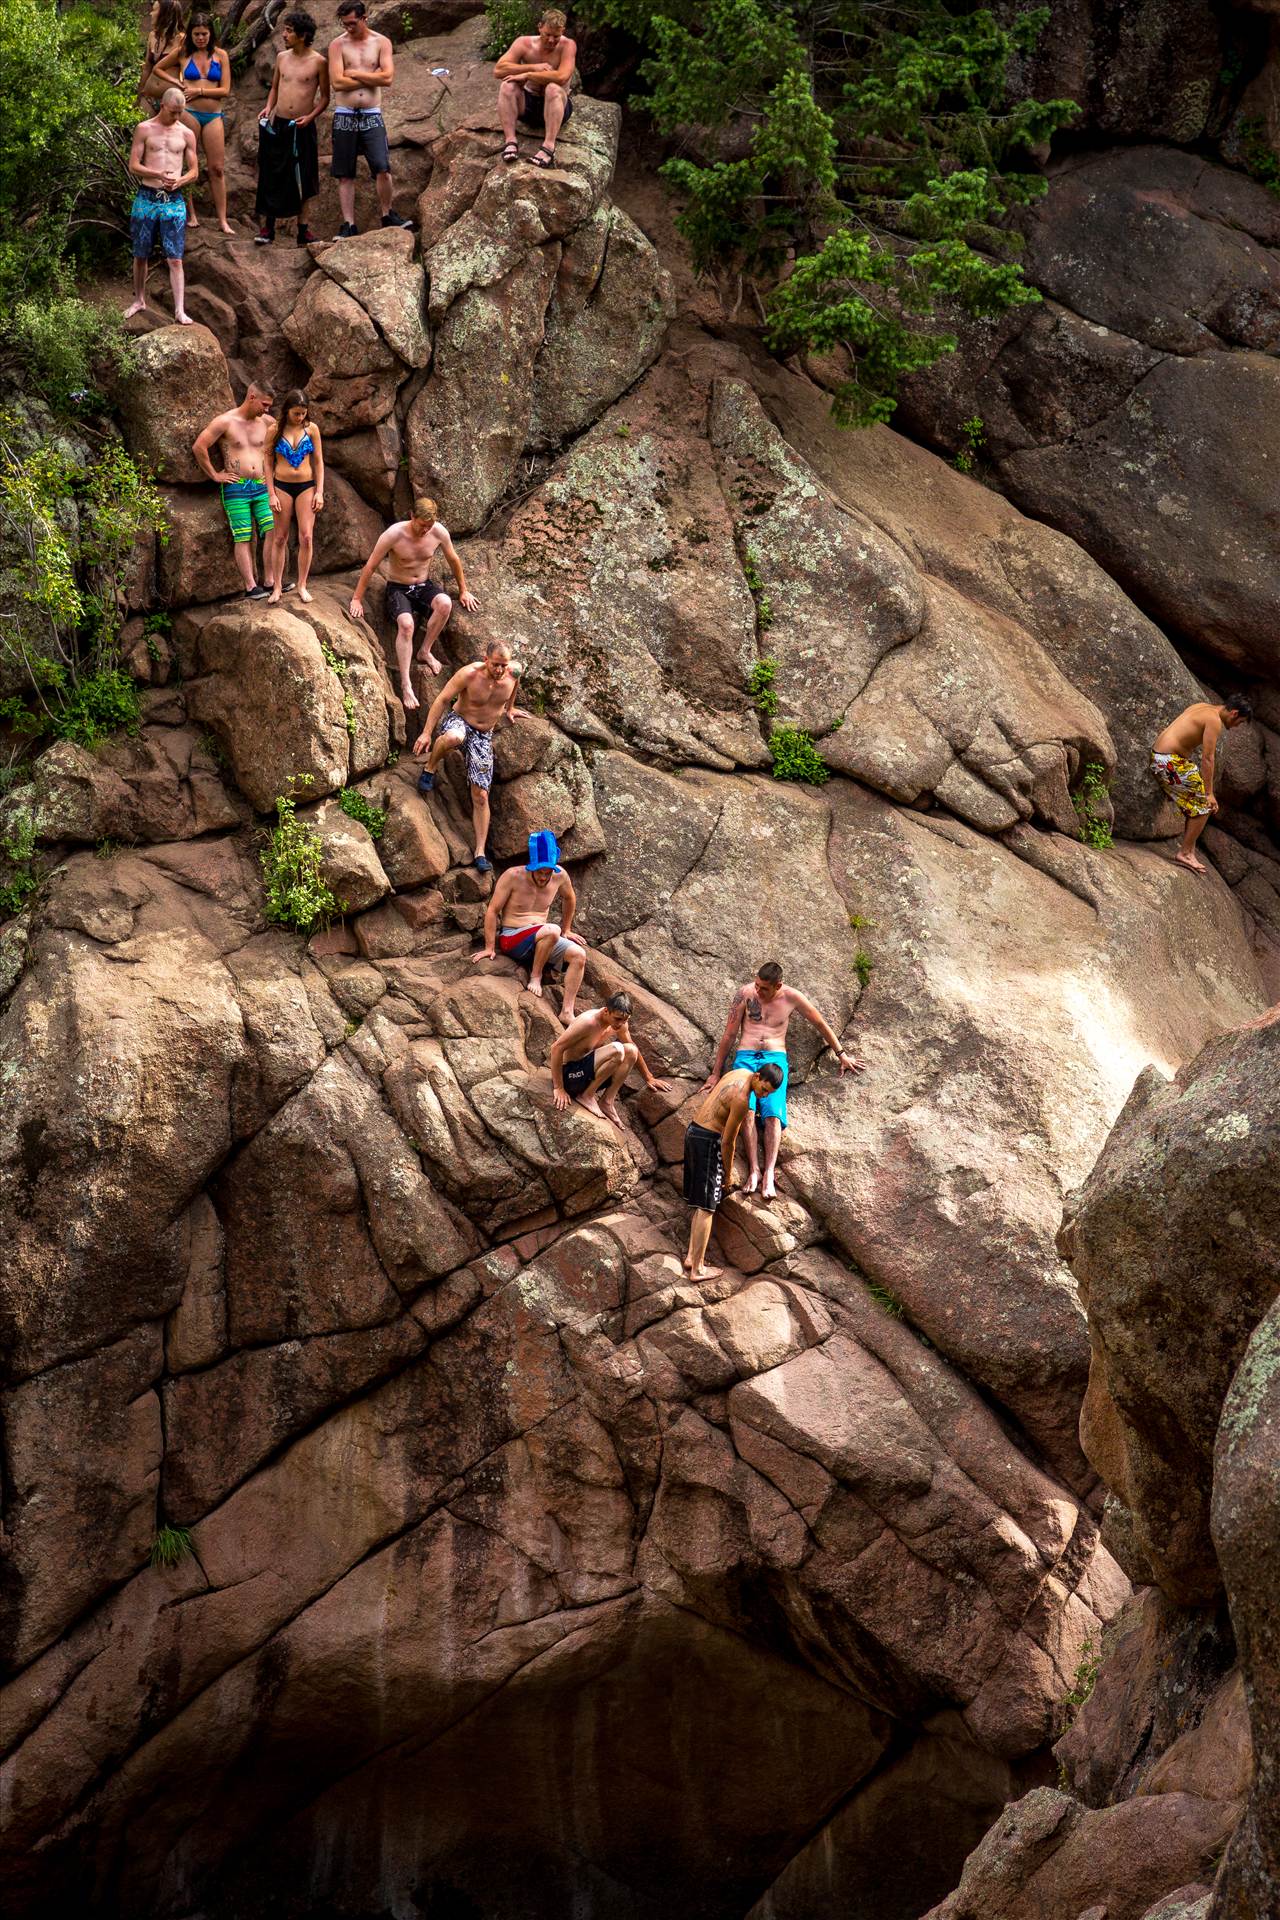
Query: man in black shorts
x=288, y=146
x=361, y=64
x=592, y=1058
x=534, y=75
x=710, y=1141
x=408, y=548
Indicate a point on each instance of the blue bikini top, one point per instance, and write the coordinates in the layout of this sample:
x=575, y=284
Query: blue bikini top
x=295, y=455
x=192, y=72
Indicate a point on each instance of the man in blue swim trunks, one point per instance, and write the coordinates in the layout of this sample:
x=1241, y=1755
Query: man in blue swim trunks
x=163, y=162
x=518, y=921
x=755, y=1034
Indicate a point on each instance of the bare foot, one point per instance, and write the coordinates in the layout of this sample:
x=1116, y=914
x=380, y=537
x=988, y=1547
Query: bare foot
x=192, y=221
x=408, y=698
x=224, y=228
x=429, y=660
x=610, y=1110
x=275, y=595
x=705, y=1273
x=183, y=319
x=753, y=1183
x=535, y=986
x=591, y=1105
x=139, y=306
x=567, y=1015
x=304, y=595
x=768, y=1191
x=1189, y=860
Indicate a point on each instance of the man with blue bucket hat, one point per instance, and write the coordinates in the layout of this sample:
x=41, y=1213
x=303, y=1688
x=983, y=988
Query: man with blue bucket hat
x=517, y=920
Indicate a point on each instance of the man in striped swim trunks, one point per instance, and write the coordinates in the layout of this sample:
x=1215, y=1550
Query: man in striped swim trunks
x=756, y=1035
x=1190, y=784
x=248, y=493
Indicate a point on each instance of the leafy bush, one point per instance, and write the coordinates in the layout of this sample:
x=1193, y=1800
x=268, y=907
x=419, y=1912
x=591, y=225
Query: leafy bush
x=862, y=965
x=973, y=436
x=760, y=685
x=298, y=895
x=1088, y=800
x=885, y=154
x=17, y=851
x=505, y=19
x=356, y=807
x=171, y=1546
x=795, y=757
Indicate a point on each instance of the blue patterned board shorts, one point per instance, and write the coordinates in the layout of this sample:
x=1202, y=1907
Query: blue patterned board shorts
x=157, y=215
x=774, y=1105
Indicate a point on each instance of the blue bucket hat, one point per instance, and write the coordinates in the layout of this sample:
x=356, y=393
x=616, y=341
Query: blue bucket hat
x=543, y=851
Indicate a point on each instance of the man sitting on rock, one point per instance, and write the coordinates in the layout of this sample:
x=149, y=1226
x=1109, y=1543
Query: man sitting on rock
x=710, y=1142
x=163, y=161
x=480, y=696
x=407, y=548
x=592, y=1058
x=518, y=921
x=1188, y=785
x=248, y=495
x=535, y=72
x=361, y=64
x=288, y=145
x=756, y=1033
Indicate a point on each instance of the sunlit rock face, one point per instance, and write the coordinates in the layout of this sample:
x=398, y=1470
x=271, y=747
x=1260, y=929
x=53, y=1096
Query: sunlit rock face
x=525, y=1574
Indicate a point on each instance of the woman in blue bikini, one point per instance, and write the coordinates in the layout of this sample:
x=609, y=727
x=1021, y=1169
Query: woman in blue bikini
x=203, y=70
x=298, y=478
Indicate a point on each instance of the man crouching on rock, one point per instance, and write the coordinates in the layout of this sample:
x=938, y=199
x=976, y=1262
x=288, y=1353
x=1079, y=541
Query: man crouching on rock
x=518, y=923
x=249, y=497
x=592, y=1058
x=710, y=1142
x=481, y=696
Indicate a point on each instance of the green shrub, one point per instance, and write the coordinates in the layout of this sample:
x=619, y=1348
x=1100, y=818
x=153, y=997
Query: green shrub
x=298, y=895
x=103, y=703
x=795, y=757
x=862, y=965
x=17, y=851
x=171, y=1546
x=1095, y=828
x=1080, y=1691
x=356, y=807
x=505, y=20
x=973, y=436
x=760, y=685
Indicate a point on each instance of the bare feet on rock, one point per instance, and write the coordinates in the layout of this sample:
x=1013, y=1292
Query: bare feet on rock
x=183, y=319
x=275, y=595
x=139, y=306
x=427, y=659
x=535, y=987
x=408, y=698
x=610, y=1111
x=705, y=1273
x=590, y=1104
x=304, y=595
x=768, y=1191
x=752, y=1183
x=1189, y=860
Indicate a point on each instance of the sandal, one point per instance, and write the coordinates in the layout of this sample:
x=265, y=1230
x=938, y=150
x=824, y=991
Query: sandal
x=510, y=152
x=544, y=157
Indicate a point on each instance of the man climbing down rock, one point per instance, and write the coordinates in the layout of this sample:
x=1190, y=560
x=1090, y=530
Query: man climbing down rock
x=1190, y=785
x=361, y=64
x=710, y=1141
x=288, y=145
x=163, y=161
x=592, y=1058
x=535, y=72
x=248, y=497
x=482, y=696
x=756, y=1033
x=518, y=921
x=408, y=547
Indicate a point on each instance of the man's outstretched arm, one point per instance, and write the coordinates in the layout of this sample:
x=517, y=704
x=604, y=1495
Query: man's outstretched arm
x=848, y=1064
x=370, y=567
x=444, y=699
x=492, y=918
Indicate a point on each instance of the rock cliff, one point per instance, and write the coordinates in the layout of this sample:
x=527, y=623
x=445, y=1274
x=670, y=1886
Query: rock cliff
x=526, y=1575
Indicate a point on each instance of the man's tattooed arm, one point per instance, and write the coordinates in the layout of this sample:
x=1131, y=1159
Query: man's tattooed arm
x=743, y=1000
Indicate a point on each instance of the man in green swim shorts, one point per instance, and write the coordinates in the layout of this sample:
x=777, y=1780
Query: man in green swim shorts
x=248, y=493
x=755, y=1034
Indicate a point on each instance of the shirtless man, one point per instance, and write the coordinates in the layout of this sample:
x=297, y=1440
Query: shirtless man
x=163, y=161
x=593, y=1057
x=361, y=64
x=288, y=145
x=248, y=493
x=407, y=548
x=710, y=1141
x=481, y=696
x=756, y=1034
x=1190, y=787
x=534, y=73
x=518, y=921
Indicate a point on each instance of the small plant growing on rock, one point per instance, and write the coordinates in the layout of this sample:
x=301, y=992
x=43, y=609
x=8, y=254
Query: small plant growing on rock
x=795, y=757
x=862, y=965
x=1088, y=800
x=887, y=1301
x=1081, y=1688
x=298, y=895
x=760, y=685
x=972, y=439
x=356, y=807
x=17, y=852
x=331, y=660
x=170, y=1547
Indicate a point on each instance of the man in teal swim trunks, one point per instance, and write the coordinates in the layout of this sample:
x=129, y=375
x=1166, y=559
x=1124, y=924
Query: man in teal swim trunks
x=755, y=1034
x=248, y=493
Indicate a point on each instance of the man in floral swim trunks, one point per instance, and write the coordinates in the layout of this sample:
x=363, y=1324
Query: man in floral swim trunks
x=1190, y=787
x=480, y=697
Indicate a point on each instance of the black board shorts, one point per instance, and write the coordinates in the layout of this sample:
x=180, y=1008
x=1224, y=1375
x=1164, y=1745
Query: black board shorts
x=356, y=131
x=415, y=599
x=578, y=1074
x=703, y=1168
x=533, y=112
